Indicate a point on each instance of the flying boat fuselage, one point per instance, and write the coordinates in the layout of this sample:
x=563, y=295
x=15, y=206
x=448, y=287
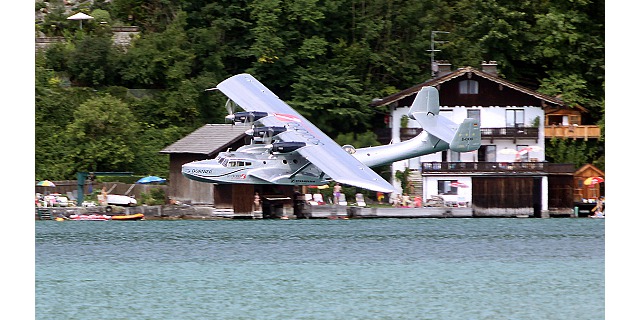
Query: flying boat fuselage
x=254, y=164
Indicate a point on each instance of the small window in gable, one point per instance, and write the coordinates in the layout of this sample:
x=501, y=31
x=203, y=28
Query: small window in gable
x=468, y=87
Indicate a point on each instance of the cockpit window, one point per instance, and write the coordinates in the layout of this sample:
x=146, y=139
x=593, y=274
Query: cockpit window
x=234, y=163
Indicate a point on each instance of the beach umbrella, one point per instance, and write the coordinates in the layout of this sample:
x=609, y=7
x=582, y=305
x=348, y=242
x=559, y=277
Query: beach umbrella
x=80, y=16
x=508, y=151
x=529, y=149
x=592, y=181
x=45, y=183
x=151, y=179
x=459, y=184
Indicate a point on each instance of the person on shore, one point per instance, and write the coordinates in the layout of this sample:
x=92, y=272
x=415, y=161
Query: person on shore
x=336, y=193
x=397, y=203
x=598, y=210
x=417, y=202
x=405, y=201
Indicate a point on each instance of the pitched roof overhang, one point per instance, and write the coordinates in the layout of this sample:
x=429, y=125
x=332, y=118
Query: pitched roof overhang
x=461, y=72
x=208, y=139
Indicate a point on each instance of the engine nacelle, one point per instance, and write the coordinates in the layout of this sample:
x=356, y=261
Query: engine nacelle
x=246, y=116
x=269, y=131
x=286, y=146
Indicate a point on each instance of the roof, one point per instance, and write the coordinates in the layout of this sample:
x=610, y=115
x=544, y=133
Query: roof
x=208, y=139
x=461, y=72
x=589, y=168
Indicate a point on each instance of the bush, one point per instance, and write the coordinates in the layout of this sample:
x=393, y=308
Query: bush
x=155, y=197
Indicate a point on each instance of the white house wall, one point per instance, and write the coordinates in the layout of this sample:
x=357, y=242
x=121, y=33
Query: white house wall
x=430, y=188
x=490, y=117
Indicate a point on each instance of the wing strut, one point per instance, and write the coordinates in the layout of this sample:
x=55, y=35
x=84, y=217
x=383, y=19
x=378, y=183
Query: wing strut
x=300, y=170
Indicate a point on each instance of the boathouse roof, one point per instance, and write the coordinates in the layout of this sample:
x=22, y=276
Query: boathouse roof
x=208, y=139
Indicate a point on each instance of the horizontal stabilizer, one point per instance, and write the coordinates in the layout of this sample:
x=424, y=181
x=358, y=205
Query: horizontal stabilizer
x=438, y=126
x=467, y=137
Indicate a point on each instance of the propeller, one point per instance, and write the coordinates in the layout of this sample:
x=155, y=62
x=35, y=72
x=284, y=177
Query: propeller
x=246, y=116
x=231, y=107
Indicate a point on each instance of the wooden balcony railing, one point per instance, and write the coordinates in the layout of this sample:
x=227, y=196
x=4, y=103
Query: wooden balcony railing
x=572, y=131
x=497, y=167
x=509, y=133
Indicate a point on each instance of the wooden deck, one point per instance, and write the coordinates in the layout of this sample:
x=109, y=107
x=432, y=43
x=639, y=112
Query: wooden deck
x=572, y=132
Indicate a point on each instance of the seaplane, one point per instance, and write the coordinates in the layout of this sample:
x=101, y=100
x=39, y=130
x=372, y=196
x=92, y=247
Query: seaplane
x=287, y=149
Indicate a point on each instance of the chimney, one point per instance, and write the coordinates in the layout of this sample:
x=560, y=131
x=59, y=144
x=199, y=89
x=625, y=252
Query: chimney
x=490, y=67
x=440, y=68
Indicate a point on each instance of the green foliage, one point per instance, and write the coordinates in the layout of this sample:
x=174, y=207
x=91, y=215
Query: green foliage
x=578, y=152
x=361, y=140
x=403, y=178
x=102, y=136
x=328, y=59
x=159, y=60
x=404, y=121
x=90, y=64
x=332, y=97
x=57, y=56
x=156, y=196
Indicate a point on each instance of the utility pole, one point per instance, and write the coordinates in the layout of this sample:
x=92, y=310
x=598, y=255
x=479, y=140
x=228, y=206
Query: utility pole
x=433, y=50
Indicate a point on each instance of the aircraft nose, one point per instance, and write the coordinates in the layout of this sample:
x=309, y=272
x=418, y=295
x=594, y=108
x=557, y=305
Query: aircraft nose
x=200, y=167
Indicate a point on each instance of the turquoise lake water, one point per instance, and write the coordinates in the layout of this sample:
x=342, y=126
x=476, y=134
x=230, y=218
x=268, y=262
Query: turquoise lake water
x=321, y=269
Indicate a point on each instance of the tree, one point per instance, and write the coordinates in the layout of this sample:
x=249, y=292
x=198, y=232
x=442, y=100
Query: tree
x=159, y=60
x=92, y=63
x=332, y=98
x=362, y=140
x=101, y=136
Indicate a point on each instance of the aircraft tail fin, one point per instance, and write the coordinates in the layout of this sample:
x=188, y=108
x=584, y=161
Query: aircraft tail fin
x=467, y=137
x=426, y=110
x=427, y=102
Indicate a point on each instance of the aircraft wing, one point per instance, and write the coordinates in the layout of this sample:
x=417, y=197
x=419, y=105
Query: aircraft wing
x=344, y=168
x=251, y=95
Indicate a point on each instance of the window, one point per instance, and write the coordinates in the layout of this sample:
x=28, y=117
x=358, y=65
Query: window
x=515, y=118
x=445, y=187
x=554, y=120
x=474, y=114
x=468, y=87
x=524, y=157
x=455, y=156
x=574, y=120
x=487, y=153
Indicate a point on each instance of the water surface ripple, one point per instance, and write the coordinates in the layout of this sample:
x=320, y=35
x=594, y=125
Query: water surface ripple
x=321, y=269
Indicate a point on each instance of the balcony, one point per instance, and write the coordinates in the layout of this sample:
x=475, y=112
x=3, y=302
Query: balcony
x=511, y=133
x=514, y=133
x=384, y=134
x=497, y=167
x=572, y=132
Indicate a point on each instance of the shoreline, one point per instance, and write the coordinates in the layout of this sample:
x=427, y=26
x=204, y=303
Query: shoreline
x=194, y=212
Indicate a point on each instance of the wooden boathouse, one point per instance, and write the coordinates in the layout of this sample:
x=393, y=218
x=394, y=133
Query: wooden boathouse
x=205, y=143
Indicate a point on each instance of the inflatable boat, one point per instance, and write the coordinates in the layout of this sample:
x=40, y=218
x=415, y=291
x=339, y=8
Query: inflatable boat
x=137, y=216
